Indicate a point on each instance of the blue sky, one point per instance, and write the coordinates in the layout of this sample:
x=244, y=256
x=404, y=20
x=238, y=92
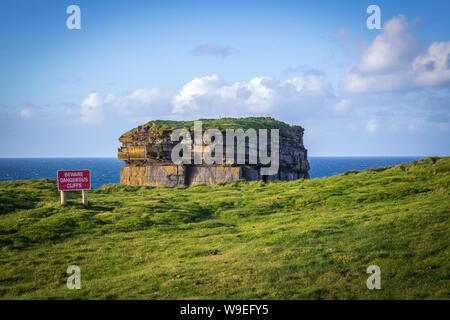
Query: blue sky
x=314, y=63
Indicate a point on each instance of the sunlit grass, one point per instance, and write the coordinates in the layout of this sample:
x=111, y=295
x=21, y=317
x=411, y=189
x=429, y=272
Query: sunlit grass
x=158, y=126
x=307, y=239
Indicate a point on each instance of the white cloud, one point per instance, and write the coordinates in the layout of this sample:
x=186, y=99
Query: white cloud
x=391, y=50
x=310, y=85
x=136, y=106
x=433, y=67
x=259, y=95
x=309, y=99
x=92, y=107
x=211, y=96
x=143, y=103
x=394, y=61
x=25, y=113
x=190, y=93
x=363, y=83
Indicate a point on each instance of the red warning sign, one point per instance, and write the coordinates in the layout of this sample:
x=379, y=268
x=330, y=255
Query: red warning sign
x=74, y=180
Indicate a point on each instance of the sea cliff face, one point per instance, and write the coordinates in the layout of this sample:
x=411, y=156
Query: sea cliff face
x=147, y=152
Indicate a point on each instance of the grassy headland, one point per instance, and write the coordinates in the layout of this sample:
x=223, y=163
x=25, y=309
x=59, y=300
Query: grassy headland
x=245, y=240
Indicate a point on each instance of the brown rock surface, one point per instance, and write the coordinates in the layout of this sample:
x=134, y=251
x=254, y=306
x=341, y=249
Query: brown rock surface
x=147, y=150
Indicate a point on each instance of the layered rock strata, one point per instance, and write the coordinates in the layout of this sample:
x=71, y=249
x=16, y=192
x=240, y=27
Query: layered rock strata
x=147, y=152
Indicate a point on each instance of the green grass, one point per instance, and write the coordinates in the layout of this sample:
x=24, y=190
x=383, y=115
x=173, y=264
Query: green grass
x=158, y=126
x=310, y=239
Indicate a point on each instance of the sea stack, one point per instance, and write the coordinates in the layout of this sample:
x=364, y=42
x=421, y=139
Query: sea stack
x=147, y=152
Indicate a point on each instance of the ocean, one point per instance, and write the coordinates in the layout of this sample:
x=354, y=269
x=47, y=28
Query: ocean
x=107, y=170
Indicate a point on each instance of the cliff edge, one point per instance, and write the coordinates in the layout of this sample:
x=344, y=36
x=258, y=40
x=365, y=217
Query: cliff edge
x=147, y=152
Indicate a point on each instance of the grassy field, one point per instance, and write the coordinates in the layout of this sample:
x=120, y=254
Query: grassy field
x=310, y=239
x=158, y=126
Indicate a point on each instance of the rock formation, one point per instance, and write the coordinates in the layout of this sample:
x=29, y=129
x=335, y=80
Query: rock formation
x=147, y=151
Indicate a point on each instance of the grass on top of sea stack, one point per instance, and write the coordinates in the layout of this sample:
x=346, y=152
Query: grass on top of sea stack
x=159, y=126
x=308, y=239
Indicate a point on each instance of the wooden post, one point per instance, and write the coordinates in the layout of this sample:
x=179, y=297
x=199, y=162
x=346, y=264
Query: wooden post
x=84, y=197
x=63, y=197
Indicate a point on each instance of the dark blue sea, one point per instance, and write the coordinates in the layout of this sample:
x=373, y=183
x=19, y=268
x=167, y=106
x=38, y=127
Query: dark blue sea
x=107, y=170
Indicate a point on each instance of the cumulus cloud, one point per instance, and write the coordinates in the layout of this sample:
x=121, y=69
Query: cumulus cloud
x=213, y=50
x=395, y=61
x=363, y=83
x=257, y=96
x=141, y=103
x=391, y=50
x=433, y=67
x=197, y=91
x=92, y=107
x=211, y=96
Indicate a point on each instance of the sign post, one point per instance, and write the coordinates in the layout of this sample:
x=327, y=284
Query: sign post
x=84, y=198
x=63, y=197
x=70, y=180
